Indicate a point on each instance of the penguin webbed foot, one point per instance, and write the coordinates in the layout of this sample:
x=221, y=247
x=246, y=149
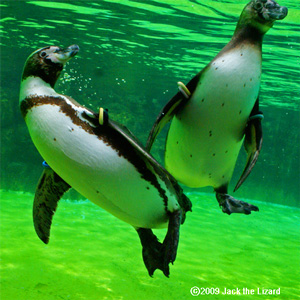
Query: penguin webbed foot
x=151, y=250
x=158, y=255
x=230, y=205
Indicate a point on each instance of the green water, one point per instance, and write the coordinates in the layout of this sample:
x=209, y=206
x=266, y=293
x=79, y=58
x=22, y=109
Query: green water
x=132, y=54
x=92, y=255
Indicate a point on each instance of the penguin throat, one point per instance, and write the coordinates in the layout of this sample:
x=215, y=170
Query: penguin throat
x=249, y=34
x=47, y=72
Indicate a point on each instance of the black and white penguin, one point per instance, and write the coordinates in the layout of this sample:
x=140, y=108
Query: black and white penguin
x=102, y=160
x=218, y=109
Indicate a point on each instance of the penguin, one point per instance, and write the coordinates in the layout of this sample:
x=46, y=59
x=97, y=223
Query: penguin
x=98, y=157
x=218, y=109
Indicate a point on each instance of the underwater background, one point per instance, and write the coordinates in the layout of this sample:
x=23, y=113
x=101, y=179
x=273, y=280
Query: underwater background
x=132, y=54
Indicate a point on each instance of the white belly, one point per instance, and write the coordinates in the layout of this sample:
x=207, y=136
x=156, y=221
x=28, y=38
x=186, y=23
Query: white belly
x=206, y=135
x=95, y=169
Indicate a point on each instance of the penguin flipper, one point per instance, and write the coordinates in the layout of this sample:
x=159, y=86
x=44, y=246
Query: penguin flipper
x=48, y=192
x=252, y=144
x=165, y=115
x=95, y=119
x=172, y=107
x=125, y=132
x=137, y=146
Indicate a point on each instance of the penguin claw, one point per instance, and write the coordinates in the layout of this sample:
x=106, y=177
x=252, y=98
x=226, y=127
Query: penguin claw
x=231, y=205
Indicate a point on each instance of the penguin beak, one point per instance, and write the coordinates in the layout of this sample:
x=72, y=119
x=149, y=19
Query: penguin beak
x=71, y=50
x=63, y=55
x=270, y=10
x=278, y=13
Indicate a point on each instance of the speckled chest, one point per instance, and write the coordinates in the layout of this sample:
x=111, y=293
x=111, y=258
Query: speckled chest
x=225, y=94
x=227, y=90
x=206, y=135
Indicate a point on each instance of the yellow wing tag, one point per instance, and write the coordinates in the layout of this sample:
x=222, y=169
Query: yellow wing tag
x=103, y=116
x=183, y=89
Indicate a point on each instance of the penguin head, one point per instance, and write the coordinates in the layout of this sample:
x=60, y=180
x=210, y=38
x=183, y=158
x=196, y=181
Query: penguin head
x=269, y=10
x=262, y=14
x=48, y=62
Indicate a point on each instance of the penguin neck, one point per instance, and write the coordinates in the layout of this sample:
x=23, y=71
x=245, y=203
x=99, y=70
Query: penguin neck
x=35, y=86
x=247, y=34
x=49, y=71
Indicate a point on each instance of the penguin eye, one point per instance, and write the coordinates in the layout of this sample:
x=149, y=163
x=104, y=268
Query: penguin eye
x=258, y=5
x=43, y=54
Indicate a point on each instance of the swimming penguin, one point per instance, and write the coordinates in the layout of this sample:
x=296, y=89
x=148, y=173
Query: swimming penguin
x=218, y=109
x=100, y=159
